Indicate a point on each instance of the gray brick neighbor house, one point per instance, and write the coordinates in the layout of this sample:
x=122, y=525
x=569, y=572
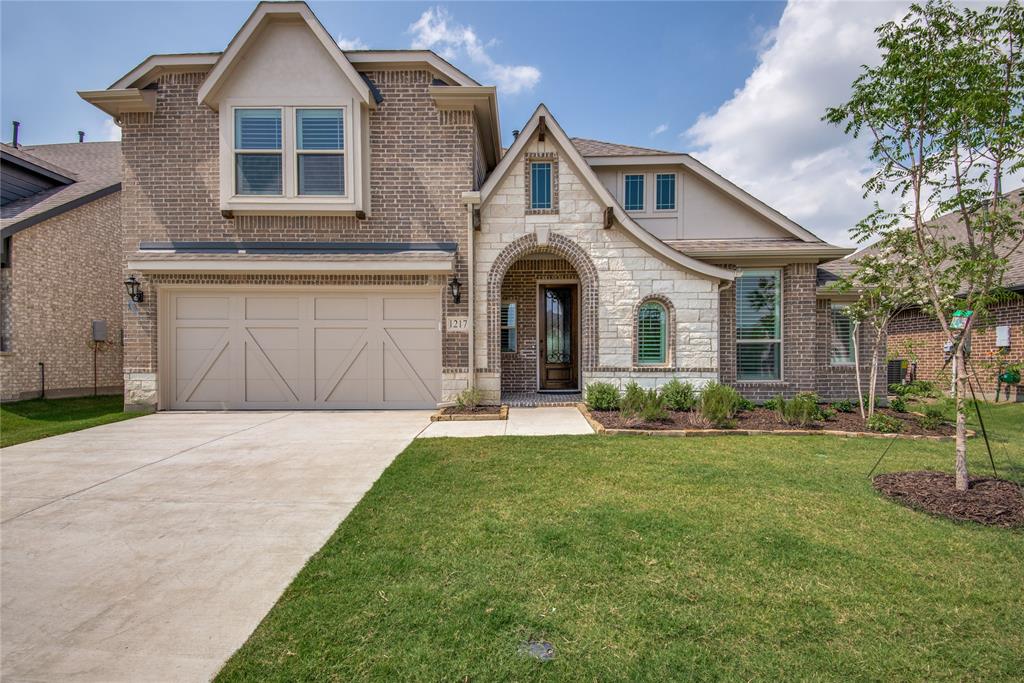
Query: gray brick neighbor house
x=319, y=228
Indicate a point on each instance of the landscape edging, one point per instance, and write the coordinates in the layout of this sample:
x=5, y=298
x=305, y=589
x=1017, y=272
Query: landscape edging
x=440, y=417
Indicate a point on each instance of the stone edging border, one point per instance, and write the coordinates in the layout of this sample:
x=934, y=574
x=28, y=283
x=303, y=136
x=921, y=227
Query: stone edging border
x=439, y=417
x=601, y=429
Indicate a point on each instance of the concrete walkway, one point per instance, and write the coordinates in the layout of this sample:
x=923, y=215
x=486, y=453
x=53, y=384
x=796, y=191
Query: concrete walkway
x=520, y=422
x=149, y=550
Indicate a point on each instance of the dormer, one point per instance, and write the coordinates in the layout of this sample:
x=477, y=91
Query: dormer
x=294, y=118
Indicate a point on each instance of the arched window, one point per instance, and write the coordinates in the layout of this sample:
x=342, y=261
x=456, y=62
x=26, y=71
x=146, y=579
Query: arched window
x=651, y=333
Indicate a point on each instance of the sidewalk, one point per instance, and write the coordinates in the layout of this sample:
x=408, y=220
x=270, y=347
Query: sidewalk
x=520, y=422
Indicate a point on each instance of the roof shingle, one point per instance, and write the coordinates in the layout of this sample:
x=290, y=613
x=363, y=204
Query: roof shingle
x=600, y=148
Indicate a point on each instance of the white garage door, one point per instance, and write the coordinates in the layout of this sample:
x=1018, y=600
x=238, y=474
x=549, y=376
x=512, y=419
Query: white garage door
x=333, y=350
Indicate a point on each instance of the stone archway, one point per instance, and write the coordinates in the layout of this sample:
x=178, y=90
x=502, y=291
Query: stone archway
x=585, y=270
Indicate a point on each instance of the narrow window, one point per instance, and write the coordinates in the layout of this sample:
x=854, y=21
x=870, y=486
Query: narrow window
x=634, y=192
x=540, y=185
x=508, y=327
x=758, y=325
x=666, y=185
x=320, y=146
x=651, y=334
x=842, y=336
x=258, y=152
x=5, y=254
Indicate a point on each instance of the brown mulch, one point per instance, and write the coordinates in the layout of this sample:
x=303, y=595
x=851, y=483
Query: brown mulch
x=477, y=410
x=768, y=420
x=995, y=502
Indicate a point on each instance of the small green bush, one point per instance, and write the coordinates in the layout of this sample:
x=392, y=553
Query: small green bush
x=470, y=398
x=645, y=405
x=801, y=410
x=826, y=413
x=602, y=396
x=771, y=404
x=899, y=404
x=632, y=401
x=919, y=387
x=679, y=395
x=744, y=405
x=844, y=406
x=718, y=404
x=899, y=389
x=880, y=422
x=933, y=417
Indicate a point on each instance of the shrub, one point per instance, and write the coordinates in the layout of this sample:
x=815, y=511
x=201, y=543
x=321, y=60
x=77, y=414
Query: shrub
x=645, y=405
x=844, y=406
x=880, y=422
x=678, y=395
x=899, y=389
x=718, y=404
x=919, y=387
x=744, y=405
x=470, y=398
x=899, y=404
x=771, y=404
x=826, y=413
x=933, y=417
x=602, y=396
x=801, y=410
x=632, y=400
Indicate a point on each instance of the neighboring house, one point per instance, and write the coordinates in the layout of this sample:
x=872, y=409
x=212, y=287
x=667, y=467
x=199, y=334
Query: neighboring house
x=61, y=270
x=318, y=228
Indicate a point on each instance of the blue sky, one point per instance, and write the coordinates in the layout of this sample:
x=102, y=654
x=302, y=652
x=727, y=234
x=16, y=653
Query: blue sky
x=742, y=85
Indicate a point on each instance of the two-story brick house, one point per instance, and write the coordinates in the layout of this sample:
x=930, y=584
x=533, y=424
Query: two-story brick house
x=319, y=228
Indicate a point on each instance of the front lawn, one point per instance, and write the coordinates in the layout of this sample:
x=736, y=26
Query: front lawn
x=652, y=558
x=29, y=420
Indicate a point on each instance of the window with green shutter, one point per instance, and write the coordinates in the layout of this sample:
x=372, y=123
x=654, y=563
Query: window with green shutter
x=651, y=334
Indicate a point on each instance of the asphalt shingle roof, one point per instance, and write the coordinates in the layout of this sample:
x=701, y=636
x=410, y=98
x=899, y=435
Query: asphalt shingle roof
x=600, y=148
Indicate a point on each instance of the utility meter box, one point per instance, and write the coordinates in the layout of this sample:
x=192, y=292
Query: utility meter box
x=1003, y=336
x=99, y=330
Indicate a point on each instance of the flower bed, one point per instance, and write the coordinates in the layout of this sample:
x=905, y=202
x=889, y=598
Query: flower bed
x=456, y=413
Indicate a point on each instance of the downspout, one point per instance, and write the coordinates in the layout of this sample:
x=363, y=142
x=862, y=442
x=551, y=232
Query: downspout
x=471, y=200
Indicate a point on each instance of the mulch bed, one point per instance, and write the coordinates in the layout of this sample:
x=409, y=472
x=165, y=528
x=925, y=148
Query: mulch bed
x=995, y=502
x=478, y=410
x=768, y=420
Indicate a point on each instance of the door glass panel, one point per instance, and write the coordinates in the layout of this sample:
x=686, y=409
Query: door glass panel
x=558, y=319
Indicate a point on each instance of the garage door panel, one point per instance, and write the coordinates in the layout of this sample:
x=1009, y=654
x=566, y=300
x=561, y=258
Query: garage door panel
x=310, y=350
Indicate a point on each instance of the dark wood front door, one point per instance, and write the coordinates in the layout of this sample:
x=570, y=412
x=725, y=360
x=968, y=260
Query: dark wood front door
x=558, y=341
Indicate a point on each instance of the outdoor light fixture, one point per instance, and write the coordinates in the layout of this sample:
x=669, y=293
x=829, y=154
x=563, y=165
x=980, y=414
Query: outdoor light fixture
x=456, y=288
x=134, y=288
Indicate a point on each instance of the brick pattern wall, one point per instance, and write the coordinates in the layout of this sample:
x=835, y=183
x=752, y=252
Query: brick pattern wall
x=519, y=369
x=836, y=382
x=915, y=335
x=422, y=160
x=64, y=274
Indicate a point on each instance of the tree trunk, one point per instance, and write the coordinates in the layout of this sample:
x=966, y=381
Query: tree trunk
x=873, y=378
x=856, y=369
x=959, y=392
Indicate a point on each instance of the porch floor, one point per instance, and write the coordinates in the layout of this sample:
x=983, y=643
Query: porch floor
x=528, y=399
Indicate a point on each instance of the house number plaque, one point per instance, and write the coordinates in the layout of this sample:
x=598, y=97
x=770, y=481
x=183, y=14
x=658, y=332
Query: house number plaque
x=458, y=323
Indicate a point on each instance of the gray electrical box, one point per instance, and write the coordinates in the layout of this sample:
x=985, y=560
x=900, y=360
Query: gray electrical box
x=99, y=330
x=1003, y=336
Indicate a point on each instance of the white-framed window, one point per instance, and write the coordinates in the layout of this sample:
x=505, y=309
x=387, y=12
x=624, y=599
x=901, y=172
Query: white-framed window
x=508, y=327
x=841, y=347
x=290, y=152
x=540, y=185
x=665, y=191
x=258, y=146
x=759, y=325
x=633, y=194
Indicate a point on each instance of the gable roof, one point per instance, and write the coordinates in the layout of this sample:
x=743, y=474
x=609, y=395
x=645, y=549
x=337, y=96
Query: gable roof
x=600, y=148
x=269, y=10
x=95, y=168
x=588, y=176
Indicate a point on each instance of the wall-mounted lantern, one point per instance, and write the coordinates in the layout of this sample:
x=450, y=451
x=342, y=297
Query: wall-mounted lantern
x=134, y=288
x=456, y=289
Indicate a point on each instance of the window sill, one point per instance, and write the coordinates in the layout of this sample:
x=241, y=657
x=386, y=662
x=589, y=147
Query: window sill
x=290, y=206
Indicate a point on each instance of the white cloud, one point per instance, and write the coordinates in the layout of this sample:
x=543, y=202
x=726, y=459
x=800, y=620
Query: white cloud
x=769, y=137
x=661, y=128
x=111, y=131
x=436, y=30
x=351, y=44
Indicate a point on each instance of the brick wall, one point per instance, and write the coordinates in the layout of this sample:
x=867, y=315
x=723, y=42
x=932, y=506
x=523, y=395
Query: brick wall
x=422, y=160
x=519, y=369
x=836, y=382
x=64, y=274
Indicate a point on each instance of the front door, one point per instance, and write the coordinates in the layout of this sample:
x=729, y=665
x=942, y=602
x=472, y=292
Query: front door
x=558, y=344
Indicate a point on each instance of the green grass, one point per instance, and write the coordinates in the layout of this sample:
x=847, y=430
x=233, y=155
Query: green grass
x=653, y=558
x=29, y=420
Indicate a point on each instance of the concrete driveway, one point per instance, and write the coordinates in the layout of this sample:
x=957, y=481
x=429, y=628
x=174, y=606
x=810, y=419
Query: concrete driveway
x=149, y=550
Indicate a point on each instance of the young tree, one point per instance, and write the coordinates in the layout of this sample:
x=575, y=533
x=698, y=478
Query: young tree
x=943, y=113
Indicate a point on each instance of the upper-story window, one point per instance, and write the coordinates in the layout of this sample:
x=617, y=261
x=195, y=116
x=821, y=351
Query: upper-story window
x=759, y=325
x=634, y=184
x=540, y=185
x=665, y=184
x=258, y=160
x=264, y=147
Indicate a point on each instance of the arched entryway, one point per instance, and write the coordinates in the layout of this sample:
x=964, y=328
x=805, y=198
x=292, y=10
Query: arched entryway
x=542, y=315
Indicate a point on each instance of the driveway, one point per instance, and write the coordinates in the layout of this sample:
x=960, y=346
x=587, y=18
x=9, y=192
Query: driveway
x=149, y=550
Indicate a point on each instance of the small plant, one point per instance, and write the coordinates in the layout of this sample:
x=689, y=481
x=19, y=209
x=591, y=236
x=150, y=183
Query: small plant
x=825, y=413
x=933, y=417
x=602, y=396
x=899, y=404
x=718, y=404
x=899, y=389
x=632, y=400
x=468, y=399
x=772, y=404
x=801, y=410
x=880, y=422
x=643, y=405
x=679, y=395
x=844, y=406
x=744, y=405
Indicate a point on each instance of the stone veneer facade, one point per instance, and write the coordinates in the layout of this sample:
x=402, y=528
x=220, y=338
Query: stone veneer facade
x=422, y=160
x=63, y=275
x=614, y=273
